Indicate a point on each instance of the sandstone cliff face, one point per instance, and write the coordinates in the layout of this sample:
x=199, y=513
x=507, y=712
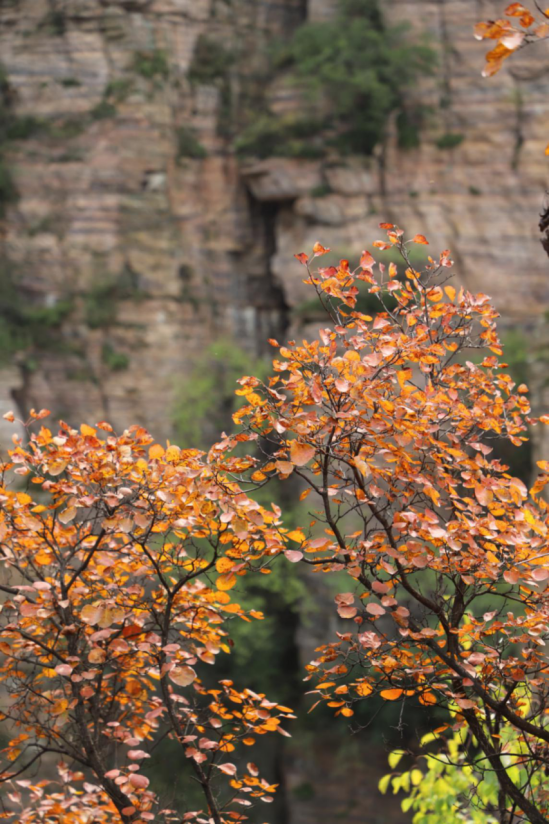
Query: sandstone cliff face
x=177, y=247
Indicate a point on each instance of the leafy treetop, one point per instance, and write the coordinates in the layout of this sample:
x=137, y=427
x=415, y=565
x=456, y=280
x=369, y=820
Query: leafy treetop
x=390, y=426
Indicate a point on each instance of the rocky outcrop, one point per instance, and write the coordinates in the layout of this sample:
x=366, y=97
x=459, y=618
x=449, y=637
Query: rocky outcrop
x=133, y=205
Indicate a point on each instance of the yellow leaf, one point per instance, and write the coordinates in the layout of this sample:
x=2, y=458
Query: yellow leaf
x=87, y=431
x=450, y=291
x=296, y=535
x=156, y=451
x=59, y=707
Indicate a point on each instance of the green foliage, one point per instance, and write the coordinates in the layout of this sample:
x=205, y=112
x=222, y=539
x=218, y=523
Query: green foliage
x=8, y=189
x=205, y=403
x=322, y=190
x=474, y=190
x=449, y=140
x=103, y=110
x=364, y=69
x=188, y=145
x=210, y=62
x=68, y=128
x=445, y=787
x=151, y=64
x=70, y=82
x=304, y=791
x=114, y=360
x=100, y=308
x=53, y=23
x=101, y=301
x=289, y=136
x=23, y=128
x=408, y=130
x=23, y=325
x=119, y=89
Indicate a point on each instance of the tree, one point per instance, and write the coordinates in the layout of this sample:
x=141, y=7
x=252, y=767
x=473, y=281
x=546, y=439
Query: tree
x=116, y=572
x=390, y=423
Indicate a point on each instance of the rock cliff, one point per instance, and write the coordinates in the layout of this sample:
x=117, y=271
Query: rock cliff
x=133, y=209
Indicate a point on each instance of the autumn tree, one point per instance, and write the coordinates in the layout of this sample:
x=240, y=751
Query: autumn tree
x=389, y=424
x=116, y=559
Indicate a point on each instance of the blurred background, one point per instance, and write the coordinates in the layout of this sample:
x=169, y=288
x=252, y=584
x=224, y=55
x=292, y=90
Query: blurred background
x=161, y=161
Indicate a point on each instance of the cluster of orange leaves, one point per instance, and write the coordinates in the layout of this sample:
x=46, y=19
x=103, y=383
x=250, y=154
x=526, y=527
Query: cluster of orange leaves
x=509, y=37
x=390, y=421
x=117, y=563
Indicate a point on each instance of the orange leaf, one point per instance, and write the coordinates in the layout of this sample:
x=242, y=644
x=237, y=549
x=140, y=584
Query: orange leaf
x=224, y=564
x=301, y=453
x=226, y=582
x=87, y=431
x=391, y=695
x=155, y=452
x=319, y=250
x=183, y=676
x=420, y=239
x=367, y=260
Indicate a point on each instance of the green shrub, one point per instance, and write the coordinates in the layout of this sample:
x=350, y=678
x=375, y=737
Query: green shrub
x=118, y=90
x=364, y=69
x=408, y=130
x=70, y=82
x=449, y=140
x=8, y=189
x=68, y=128
x=100, y=308
x=474, y=190
x=116, y=361
x=210, y=62
x=151, y=64
x=53, y=23
x=270, y=136
x=322, y=190
x=205, y=403
x=24, y=325
x=25, y=127
x=188, y=145
x=101, y=302
x=103, y=110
